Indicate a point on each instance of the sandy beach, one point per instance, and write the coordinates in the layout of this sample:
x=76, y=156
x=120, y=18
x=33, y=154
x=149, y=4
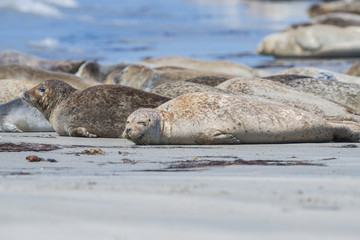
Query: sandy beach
x=282, y=191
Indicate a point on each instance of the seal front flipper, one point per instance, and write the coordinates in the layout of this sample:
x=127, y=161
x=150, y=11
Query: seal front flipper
x=8, y=127
x=80, y=132
x=217, y=137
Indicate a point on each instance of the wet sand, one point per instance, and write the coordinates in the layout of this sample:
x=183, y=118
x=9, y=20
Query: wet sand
x=282, y=191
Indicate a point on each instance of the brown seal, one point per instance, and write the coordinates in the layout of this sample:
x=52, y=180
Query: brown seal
x=15, y=57
x=144, y=77
x=20, y=72
x=98, y=72
x=97, y=111
x=281, y=93
x=335, y=6
x=12, y=88
x=217, y=118
x=219, y=66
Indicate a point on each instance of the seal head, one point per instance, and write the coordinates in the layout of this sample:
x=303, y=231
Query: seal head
x=144, y=126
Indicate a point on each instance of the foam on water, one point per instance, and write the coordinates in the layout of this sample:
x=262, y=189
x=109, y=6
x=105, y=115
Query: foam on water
x=48, y=8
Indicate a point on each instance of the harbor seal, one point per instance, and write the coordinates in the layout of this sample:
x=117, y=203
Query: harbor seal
x=310, y=71
x=98, y=72
x=15, y=57
x=348, y=6
x=175, y=89
x=347, y=94
x=217, y=118
x=20, y=72
x=339, y=19
x=313, y=41
x=354, y=70
x=144, y=77
x=289, y=96
x=18, y=116
x=12, y=88
x=97, y=111
x=219, y=66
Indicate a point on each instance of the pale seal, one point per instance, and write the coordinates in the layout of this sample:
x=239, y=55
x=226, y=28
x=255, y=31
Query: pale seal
x=20, y=72
x=144, y=77
x=313, y=41
x=347, y=94
x=15, y=57
x=219, y=66
x=311, y=71
x=97, y=111
x=98, y=72
x=217, y=118
x=348, y=6
x=12, y=88
x=18, y=116
x=289, y=96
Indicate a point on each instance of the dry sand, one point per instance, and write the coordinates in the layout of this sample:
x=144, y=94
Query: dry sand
x=295, y=191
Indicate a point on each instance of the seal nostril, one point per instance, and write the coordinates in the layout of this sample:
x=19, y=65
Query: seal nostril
x=128, y=130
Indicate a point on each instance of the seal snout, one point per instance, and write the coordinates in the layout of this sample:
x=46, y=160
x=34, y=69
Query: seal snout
x=127, y=130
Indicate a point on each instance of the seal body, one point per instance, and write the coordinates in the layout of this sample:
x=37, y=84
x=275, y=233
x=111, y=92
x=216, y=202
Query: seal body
x=220, y=66
x=21, y=72
x=311, y=72
x=97, y=72
x=18, y=116
x=217, y=118
x=97, y=111
x=15, y=57
x=348, y=6
x=144, y=77
x=12, y=88
x=289, y=96
x=313, y=41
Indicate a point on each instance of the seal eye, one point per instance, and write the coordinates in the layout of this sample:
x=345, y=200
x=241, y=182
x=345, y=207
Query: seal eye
x=149, y=120
x=41, y=89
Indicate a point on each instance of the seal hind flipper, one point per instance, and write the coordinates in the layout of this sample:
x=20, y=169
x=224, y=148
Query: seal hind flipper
x=8, y=127
x=80, y=132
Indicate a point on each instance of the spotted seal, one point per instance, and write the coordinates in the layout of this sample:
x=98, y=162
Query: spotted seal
x=97, y=111
x=217, y=118
x=348, y=6
x=15, y=57
x=21, y=72
x=18, y=116
x=12, y=88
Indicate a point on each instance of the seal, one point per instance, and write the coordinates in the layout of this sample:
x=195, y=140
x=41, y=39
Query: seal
x=98, y=72
x=354, y=70
x=310, y=72
x=289, y=96
x=348, y=6
x=20, y=72
x=15, y=57
x=175, y=89
x=97, y=111
x=220, y=66
x=12, y=88
x=18, y=116
x=144, y=77
x=313, y=41
x=347, y=94
x=339, y=19
x=217, y=118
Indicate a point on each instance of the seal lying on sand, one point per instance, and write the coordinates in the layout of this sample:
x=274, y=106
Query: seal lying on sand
x=313, y=41
x=347, y=94
x=289, y=96
x=143, y=77
x=18, y=116
x=310, y=72
x=217, y=118
x=97, y=111
x=348, y=6
x=11, y=89
x=20, y=72
x=97, y=72
x=336, y=19
x=15, y=57
x=219, y=66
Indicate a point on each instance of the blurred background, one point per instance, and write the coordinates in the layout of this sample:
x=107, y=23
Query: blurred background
x=129, y=30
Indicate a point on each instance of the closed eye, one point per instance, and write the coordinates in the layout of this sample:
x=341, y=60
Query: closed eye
x=141, y=122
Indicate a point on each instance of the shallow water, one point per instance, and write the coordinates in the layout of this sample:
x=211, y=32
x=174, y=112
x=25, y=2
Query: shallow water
x=112, y=31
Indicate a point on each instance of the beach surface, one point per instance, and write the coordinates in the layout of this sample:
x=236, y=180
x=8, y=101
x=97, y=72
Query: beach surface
x=112, y=189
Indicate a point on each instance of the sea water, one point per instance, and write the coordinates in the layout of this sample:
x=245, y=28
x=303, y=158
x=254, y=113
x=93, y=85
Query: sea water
x=112, y=31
